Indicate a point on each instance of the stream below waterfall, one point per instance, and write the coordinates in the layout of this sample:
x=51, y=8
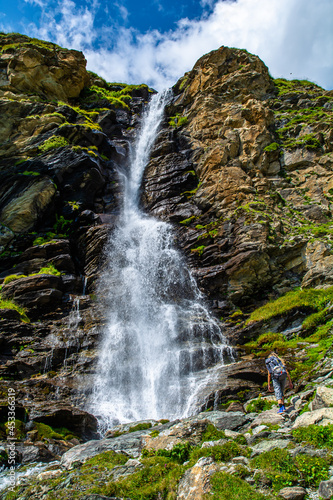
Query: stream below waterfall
x=161, y=344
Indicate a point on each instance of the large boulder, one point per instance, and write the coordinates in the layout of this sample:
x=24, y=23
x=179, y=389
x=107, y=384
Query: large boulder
x=323, y=416
x=323, y=398
x=195, y=484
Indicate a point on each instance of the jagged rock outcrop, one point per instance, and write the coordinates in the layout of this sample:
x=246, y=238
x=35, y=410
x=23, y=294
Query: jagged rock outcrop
x=43, y=68
x=234, y=167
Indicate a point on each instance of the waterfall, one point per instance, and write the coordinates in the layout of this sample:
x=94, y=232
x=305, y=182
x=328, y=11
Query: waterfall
x=160, y=339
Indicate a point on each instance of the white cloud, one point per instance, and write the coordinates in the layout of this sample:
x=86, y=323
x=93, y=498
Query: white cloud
x=293, y=37
x=40, y=3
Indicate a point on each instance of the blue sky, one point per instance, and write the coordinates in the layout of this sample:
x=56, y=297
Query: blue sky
x=156, y=42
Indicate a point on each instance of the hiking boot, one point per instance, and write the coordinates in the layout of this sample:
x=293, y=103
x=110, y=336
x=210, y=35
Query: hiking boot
x=281, y=409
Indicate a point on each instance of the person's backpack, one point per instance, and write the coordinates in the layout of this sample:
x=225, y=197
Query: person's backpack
x=276, y=367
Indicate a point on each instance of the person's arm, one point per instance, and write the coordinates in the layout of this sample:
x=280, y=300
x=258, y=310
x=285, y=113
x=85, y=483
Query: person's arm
x=290, y=382
x=269, y=387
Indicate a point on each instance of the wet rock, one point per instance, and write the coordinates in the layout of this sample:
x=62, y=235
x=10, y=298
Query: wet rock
x=127, y=469
x=36, y=453
x=6, y=236
x=308, y=450
x=10, y=314
x=292, y=493
x=235, y=406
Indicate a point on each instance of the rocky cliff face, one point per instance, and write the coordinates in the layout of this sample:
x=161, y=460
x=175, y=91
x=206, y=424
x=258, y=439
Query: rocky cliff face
x=242, y=168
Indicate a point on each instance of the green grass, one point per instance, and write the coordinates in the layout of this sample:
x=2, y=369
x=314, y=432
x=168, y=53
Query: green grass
x=49, y=269
x=278, y=466
x=319, y=436
x=43, y=240
x=10, y=304
x=274, y=146
x=30, y=173
x=178, y=121
x=140, y=427
x=219, y=453
x=285, y=86
x=158, y=479
x=47, y=432
x=212, y=434
x=301, y=299
x=199, y=250
x=53, y=143
x=229, y=487
x=259, y=405
x=118, y=99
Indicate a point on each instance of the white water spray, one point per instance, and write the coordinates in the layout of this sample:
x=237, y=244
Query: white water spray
x=160, y=339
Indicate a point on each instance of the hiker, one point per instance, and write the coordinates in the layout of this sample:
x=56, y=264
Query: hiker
x=278, y=374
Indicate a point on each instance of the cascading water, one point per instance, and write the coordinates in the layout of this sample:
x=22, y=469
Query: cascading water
x=160, y=338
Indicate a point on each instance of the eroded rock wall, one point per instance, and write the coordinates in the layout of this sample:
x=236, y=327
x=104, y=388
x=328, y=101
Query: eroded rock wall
x=243, y=168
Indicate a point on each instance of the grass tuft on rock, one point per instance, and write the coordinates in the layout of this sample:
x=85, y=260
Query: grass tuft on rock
x=311, y=299
x=53, y=143
x=10, y=304
x=228, y=487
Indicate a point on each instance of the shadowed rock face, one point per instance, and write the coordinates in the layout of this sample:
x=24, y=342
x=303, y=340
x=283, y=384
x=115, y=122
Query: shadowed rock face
x=242, y=168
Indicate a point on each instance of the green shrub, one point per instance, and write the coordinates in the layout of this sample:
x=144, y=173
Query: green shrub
x=62, y=225
x=318, y=435
x=199, y=250
x=154, y=433
x=274, y=146
x=313, y=470
x=258, y=405
x=178, y=121
x=180, y=452
x=42, y=240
